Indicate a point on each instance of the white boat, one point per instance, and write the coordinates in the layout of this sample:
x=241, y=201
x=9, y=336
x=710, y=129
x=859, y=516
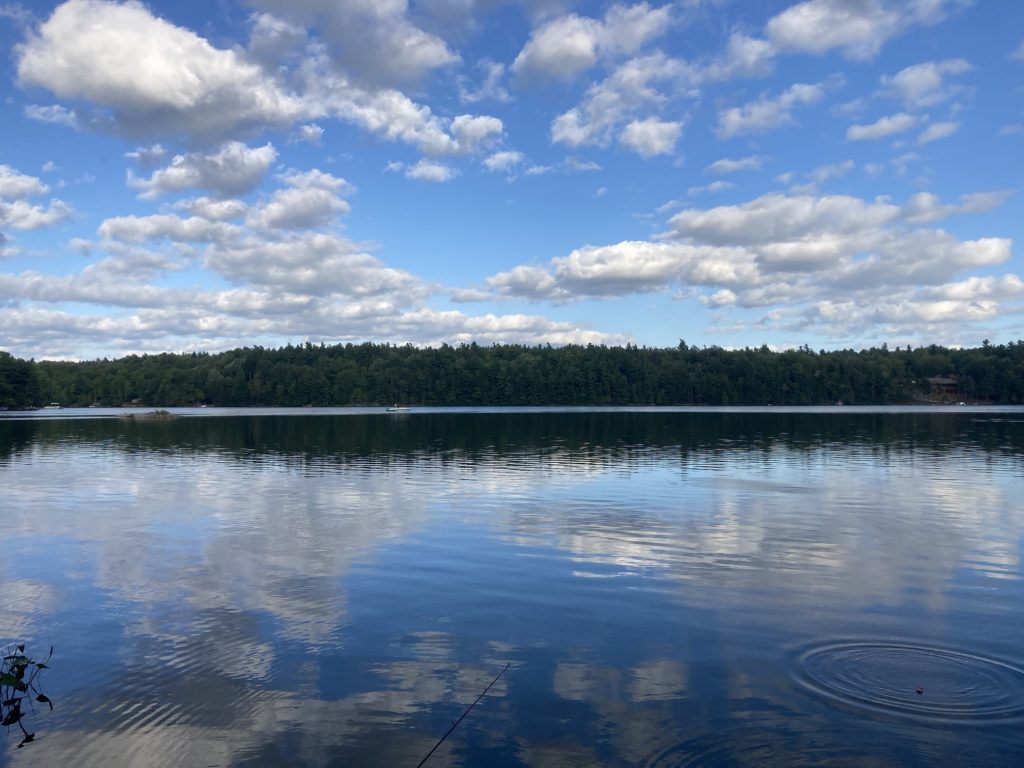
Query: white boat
x=54, y=406
x=396, y=407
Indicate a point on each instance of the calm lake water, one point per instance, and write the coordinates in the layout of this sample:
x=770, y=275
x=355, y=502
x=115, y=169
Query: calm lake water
x=669, y=587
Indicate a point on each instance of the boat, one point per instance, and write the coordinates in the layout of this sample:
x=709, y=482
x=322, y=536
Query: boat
x=52, y=406
x=396, y=408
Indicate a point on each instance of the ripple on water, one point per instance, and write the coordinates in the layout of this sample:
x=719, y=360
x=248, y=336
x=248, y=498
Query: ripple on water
x=919, y=682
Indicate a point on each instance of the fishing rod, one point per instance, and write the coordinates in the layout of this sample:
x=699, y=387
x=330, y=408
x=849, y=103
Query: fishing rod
x=462, y=716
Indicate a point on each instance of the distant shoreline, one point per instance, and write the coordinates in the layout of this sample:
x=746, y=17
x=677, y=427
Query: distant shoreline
x=380, y=375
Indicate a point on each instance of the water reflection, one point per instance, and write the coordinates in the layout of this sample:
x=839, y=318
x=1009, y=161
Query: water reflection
x=334, y=590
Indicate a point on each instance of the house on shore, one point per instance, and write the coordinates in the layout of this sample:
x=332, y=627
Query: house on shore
x=944, y=388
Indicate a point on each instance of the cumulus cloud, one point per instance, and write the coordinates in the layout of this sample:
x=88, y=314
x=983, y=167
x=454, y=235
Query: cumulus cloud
x=744, y=56
x=937, y=131
x=310, y=264
x=735, y=165
x=713, y=187
x=503, y=161
x=767, y=113
x=18, y=212
x=211, y=209
x=473, y=133
x=143, y=76
x=153, y=76
x=22, y=214
x=614, y=101
x=429, y=170
x=858, y=29
x=233, y=169
x=148, y=157
x=55, y=114
x=810, y=255
x=924, y=85
x=568, y=45
x=651, y=137
x=310, y=133
x=138, y=229
x=311, y=200
x=373, y=42
x=14, y=184
x=489, y=87
x=823, y=173
x=884, y=126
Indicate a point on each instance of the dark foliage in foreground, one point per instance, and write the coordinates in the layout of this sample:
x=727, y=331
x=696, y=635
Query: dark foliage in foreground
x=20, y=690
x=376, y=374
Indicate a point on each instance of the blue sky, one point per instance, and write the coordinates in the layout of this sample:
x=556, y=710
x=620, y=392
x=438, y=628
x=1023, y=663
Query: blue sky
x=200, y=176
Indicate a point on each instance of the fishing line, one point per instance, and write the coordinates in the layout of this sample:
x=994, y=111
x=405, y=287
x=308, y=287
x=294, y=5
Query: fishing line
x=462, y=716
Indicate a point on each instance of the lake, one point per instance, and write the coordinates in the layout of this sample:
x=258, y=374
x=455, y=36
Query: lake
x=669, y=587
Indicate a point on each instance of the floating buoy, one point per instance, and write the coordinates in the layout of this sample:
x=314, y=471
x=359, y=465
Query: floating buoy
x=920, y=690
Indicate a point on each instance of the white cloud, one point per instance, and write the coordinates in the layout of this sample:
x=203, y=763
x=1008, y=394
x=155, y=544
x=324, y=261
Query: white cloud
x=735, y=165
x=925, y=207
x=937, y=131
x=233, y=169
x=884, y=126
x=52, y=113
x=714, y=186
x=611, y=103
x=146, y=77
x=154, y=77
x=859, y=28
x=767, y=113
x=21, y=214
x=924, y=85
x=373, y=42
x=138, y=229
x=565, y=46
x=777, y=217
x=1019, y=53
x=651, y=137
x=148, y=157
x=744, y=57
x=428, y=170
x=473, y=133
x=17, y=212
x=624, y=268
x=310, y=264
x=822, y=263
x=213, y=210
x=823, y=173
x=503, y=161
x=490, y=88
x=310, y=201
x=310, y=133
x=14, y=184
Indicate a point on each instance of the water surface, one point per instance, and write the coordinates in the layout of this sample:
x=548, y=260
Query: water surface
x=732, y=587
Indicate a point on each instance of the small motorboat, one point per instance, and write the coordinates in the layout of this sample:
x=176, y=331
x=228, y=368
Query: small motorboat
x=396, y=408
x=52, y=406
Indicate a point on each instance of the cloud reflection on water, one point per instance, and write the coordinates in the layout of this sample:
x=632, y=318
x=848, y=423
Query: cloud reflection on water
x=265, y=602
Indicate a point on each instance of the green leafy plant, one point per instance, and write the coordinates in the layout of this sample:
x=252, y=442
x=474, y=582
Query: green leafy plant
x=20, y=685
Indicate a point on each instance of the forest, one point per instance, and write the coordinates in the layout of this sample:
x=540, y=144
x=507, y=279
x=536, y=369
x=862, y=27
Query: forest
x=383, y=374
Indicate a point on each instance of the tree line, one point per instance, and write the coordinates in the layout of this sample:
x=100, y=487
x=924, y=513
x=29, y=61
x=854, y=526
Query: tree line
x=470, y=374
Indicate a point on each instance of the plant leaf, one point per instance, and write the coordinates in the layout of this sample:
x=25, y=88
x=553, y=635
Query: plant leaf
x=12, y=681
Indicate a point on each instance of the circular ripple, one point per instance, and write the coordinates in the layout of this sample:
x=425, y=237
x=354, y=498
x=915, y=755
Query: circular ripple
x=914, y=681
